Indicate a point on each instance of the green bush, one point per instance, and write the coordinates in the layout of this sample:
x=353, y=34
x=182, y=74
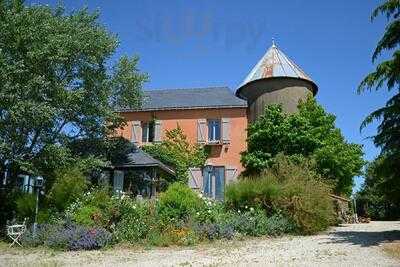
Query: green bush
x=253, y=192
x=87, y=215
x=278, y=224
x=291, y=188
x=176, y=151
x=137, y=220
x=178, y=202
x=69, y=185
x=95, y=207
x=172, y=235
x=26, y=205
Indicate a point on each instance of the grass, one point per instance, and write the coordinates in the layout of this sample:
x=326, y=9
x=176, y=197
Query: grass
x=393, y=249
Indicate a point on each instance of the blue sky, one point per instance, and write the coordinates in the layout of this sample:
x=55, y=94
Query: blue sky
x=188, y=43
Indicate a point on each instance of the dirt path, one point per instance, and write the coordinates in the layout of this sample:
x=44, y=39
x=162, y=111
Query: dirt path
x=348, y=245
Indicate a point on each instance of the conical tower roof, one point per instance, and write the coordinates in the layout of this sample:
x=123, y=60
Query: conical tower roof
x=275, y=64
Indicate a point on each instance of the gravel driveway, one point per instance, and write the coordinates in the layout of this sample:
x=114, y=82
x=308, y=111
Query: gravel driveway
x=347, y=245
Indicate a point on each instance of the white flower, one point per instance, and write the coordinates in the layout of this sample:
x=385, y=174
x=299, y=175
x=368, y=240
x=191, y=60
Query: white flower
x=238, y=211
x=245, y=207
x=209, y=211
x=197, y=213
x=251, y=209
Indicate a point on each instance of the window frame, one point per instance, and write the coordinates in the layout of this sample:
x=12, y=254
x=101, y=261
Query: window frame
x=148, y=132
x=212, y=132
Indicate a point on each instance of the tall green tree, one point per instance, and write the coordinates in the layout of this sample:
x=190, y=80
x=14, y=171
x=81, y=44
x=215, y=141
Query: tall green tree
x=387, y=74
x=382, y=184
x=309, y=133
x=379, y=196
x=56, y=83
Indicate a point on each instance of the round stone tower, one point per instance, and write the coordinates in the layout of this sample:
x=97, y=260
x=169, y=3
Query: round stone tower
x=275, y=80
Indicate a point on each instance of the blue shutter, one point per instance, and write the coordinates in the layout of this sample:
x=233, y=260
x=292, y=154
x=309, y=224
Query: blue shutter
x=207, y=181
x=219, y=182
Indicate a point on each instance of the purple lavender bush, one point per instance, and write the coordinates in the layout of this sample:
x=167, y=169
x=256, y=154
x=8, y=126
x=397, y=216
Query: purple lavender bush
x=69, y=236
x=89, y=239
x=213, y=231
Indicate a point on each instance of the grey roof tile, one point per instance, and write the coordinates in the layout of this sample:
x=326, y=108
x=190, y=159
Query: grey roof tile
x=191, y=98
x=138, y=158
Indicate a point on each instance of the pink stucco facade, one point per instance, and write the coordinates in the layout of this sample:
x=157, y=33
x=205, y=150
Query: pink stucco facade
x=225, y=154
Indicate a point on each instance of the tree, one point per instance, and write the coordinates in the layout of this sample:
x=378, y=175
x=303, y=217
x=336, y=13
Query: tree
x=309, y=133
x=387, y=73
x=177, y=152
x=56, y=85
x=379, y=196
x=381, y=191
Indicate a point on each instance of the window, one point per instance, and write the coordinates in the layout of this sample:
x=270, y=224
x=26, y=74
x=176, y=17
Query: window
x=214, y=130
x=148, y=132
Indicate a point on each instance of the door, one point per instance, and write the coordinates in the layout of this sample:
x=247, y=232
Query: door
x=214, y=182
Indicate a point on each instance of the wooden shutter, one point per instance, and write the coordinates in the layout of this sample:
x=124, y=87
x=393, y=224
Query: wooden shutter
x=201, y=131
x=157, y=131
x=118, y=184
x=136, y=132
x=231, y=174
x=225, y=130
x=195, y=178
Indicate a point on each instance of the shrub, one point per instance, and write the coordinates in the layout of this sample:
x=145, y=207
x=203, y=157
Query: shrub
x=291, y=188
x=305, y=196
x=69, y=185
x=42, y=233
x=212, y=211
x=251, y=223
x=178, y=202
x=87, y=215
x=172, y=235
x=93, y=238
x=278, y=224
x=138, y=219
x=213, y=231
x=253, y=192
x=177, y=152
x=26, y=205
x=66, y=235
x=96, y=207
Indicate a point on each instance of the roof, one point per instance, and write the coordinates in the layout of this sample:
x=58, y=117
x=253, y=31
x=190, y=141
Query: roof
x=275, y=64
x=137, y=158
x=191, y=98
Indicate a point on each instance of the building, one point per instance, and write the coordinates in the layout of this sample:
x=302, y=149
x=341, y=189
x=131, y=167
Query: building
x=218, y=118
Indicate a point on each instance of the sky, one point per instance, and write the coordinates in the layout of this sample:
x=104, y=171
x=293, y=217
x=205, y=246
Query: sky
x=201, y=43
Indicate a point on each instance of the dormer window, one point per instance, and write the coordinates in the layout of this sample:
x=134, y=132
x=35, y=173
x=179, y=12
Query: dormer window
x=214, y=131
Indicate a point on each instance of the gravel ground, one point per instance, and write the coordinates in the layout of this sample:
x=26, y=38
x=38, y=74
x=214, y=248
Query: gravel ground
x=347, y=245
